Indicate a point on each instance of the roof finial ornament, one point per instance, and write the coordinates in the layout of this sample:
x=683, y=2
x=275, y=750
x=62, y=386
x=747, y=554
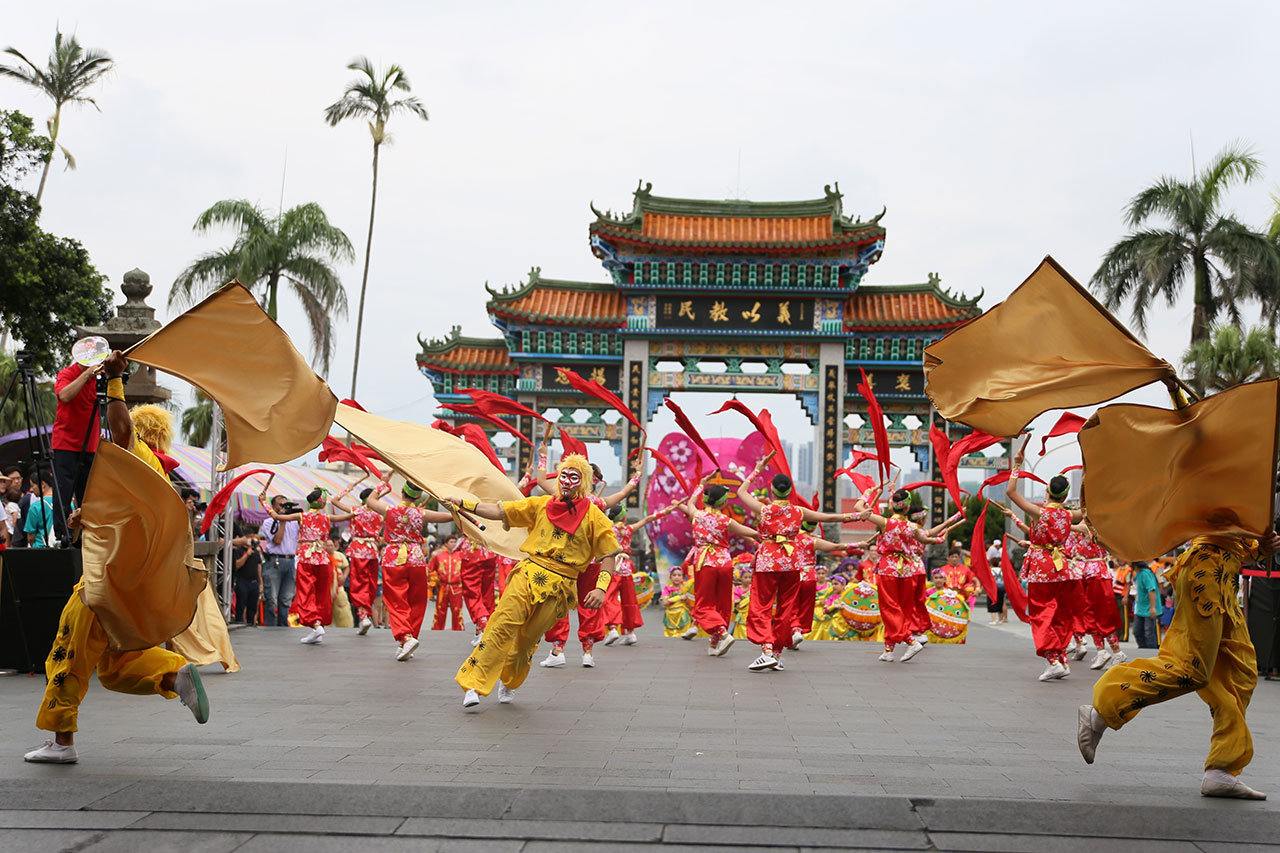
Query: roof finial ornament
x=875, y=220
x=534, y=274
x=455, y=332
x=643, y=189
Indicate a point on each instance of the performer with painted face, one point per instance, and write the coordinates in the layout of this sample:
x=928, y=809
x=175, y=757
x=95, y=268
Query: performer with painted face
x=567, y=532
x=711, y=563
x=776, y=580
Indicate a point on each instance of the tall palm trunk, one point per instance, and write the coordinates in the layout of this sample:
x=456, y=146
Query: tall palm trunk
x=273, y=288
x=364, y=281
x=53, y=148
x=1202, y=298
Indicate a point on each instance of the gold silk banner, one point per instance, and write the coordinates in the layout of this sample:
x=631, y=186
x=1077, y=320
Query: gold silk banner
x=275, y=407
x=1154, y=478
x=442, y=464
x=1050, y=345
x=141, y=578
x=207, y=639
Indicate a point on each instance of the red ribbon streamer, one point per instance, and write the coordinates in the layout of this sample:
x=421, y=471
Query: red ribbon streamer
x=1069, y=424
x=569, y=444
x=333, y=450
x=682, y=421
x=876, y=416
x=1012, y=586
x=480, y=414
x=595, y=389
x=496, y=404
x=218, y=502
x=978, y=555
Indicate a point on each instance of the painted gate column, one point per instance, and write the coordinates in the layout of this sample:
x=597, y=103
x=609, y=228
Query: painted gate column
x=634, y=392
x=828, y=439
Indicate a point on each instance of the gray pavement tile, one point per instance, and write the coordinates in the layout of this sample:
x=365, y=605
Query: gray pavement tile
x=48, y=787
x=615, y=847
x=131, y=841
x=999, y=843
x=277, y=823
x=760, y=836
x=47, y=841
x=338, y=844
x=66, y=819
x=532, y=829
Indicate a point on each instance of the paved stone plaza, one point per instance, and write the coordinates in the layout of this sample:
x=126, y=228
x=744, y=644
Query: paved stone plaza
x=338, y=747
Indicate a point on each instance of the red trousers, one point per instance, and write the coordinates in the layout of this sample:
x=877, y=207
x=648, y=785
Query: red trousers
x=590, y=622
x=477, y=591
x=767, y=624
x=364, y=584
x=806, y=596
x=902, y=607
x=713, y=598
x=313, y=595
x=1099, y=614
x=451, y=603
x=620, y=606
x=405, y=591
x=1052, y=608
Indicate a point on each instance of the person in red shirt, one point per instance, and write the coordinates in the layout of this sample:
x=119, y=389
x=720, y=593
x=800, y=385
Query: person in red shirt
x=445, y=567
x=75, y=435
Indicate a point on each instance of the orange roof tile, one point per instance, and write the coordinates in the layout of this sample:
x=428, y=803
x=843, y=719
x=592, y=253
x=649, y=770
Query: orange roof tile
x=867, y=308
x=603, y=307
x=467, y=358
x=736, y=229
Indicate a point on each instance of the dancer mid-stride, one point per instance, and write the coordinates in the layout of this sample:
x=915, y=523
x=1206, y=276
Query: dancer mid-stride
x=312, y=601
x=566, y=534
x=621, y=610
x=776, y=580
x=711, y=563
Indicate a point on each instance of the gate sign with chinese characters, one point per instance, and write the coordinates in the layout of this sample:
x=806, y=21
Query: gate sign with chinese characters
x=608, y=375
x=735, y=313
x=902, y=382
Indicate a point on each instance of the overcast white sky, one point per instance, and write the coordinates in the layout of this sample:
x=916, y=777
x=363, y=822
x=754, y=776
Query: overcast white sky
x=995, y=133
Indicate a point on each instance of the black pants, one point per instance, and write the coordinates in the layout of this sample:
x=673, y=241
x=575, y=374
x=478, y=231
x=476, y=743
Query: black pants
x=246, y=601
x=996, y=605
x=71, y=473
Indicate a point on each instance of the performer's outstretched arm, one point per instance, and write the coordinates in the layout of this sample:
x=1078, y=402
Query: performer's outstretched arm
x=491, y=510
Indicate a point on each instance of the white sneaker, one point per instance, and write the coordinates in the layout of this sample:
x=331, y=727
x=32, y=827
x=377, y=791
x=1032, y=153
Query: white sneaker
x=191, y=693
x=365, y=624
x=914, y=649
x=315, y=635
x=922, y=639
x=796, y=639
x=1101, y=658
x=52, y=753
x=1118, y=657
x=406, y=651
x=779, y=667
x=1220, y=783
x=587, y=659
x=887, y=657
x=629, y=639
x=762, y=663
x=553, y=659
x=1071, y=647
x=1052, y=671
x=612, y=637
x=1081, y=650
x=690, y=633
x=726, y=641
x=505, y=696
x=470, y=699
x=1088, y=732
x=475, y=642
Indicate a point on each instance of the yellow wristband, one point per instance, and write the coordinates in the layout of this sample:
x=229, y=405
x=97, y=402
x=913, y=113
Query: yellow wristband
x=115, y=389
x=602, y=582
x=469, y=506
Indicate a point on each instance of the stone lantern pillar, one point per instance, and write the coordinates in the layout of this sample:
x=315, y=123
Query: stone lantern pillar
x=134, y=320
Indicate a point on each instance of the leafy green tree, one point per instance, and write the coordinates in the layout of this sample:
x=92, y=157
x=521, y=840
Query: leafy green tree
x=70, y=72
x=1224, y=261
x=993, y=527
x=17, y=414
x=21, y=148
x=197, y=421
x=372, y=97
x=296, y=248
x=1230, y=356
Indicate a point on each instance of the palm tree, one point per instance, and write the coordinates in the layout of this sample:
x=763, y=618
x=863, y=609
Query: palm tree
x=370, y=97
x=70, y=73
x=1226, y=261
x=295, y=247
x=1230, y=356
x=197, y=420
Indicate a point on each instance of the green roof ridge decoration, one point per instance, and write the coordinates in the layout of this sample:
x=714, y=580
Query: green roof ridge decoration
x=512, y=293
x=934, y=286
x=455, y=339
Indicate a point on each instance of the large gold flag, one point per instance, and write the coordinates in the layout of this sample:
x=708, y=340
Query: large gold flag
x=1154, y=478
x=442, y=464
x=141, y=578
x=1050, y=345
x=275, y=407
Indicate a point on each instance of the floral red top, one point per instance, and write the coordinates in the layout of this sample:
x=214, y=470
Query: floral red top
x=894, y=545
x=475, y=556
x=806, y=556
x=622, y=560
x=313, y=530
x=1095, y=560
x=915, y=551
x=779, y=524
x=711, y=539
x=1046, y=558
x=366, y=527
x=404, y=538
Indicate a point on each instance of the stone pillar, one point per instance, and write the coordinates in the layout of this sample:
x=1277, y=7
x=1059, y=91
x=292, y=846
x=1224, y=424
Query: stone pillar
x=134, y=320
x=635, y=393
x=828, y=446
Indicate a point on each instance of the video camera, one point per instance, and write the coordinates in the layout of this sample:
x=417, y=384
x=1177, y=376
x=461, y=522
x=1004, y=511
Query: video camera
x=289, y=507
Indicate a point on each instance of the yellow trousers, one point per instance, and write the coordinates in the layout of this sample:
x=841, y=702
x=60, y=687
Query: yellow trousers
x=535, y=599
x=1206, y=649
x=79, y=649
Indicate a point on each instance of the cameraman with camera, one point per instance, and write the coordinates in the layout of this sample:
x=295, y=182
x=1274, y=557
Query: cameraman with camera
x=75, y=434
x=247, y=560
x=280, y=546
x=195, y=509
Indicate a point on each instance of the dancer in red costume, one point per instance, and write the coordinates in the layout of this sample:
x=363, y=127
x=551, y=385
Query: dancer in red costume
x=404, y=566
x=621, y=610
x=711, y=563
x=312, y=599
x=366, y=538
x=1099, y=615
x=900, y=576
x=1054, y=596
x=445, y=569
x=479, y=574
x=807, y=548
x=776, y=579
x=591, y=628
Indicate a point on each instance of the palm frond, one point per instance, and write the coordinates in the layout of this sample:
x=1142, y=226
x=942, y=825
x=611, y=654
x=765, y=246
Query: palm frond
x=1234, y=164
x=320, y=325
x=1178, y=201
x=307, y=227
x=409, y=105
x=204, y=275
x=320, y=281
x=1143, y=267
x=237, y=213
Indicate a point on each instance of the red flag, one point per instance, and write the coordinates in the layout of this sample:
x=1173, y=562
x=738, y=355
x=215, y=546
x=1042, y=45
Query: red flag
x=481, y=414
x=860, y=456
x=974, y=442
x=1069, y=424
x=333, y=450
x=949, y=455
x=876, y=415
x=1012, y=587
x=496, y=404
x=682, y=421
x=569, y=444
x=764, y=424
x=473, y=435
x=368, y=452
x=595, y=389
x=663, y=460
x=909, y=487
x=219, y=502
x=1003, y=477
x=978, y=555
x=861, y=482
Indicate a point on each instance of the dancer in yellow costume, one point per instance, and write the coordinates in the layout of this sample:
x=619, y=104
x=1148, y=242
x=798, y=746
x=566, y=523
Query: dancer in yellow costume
x=1206, y=649
x=81, y=644
x=566, y=533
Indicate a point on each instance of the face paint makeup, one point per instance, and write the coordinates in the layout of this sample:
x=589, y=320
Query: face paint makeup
x=569, y=480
